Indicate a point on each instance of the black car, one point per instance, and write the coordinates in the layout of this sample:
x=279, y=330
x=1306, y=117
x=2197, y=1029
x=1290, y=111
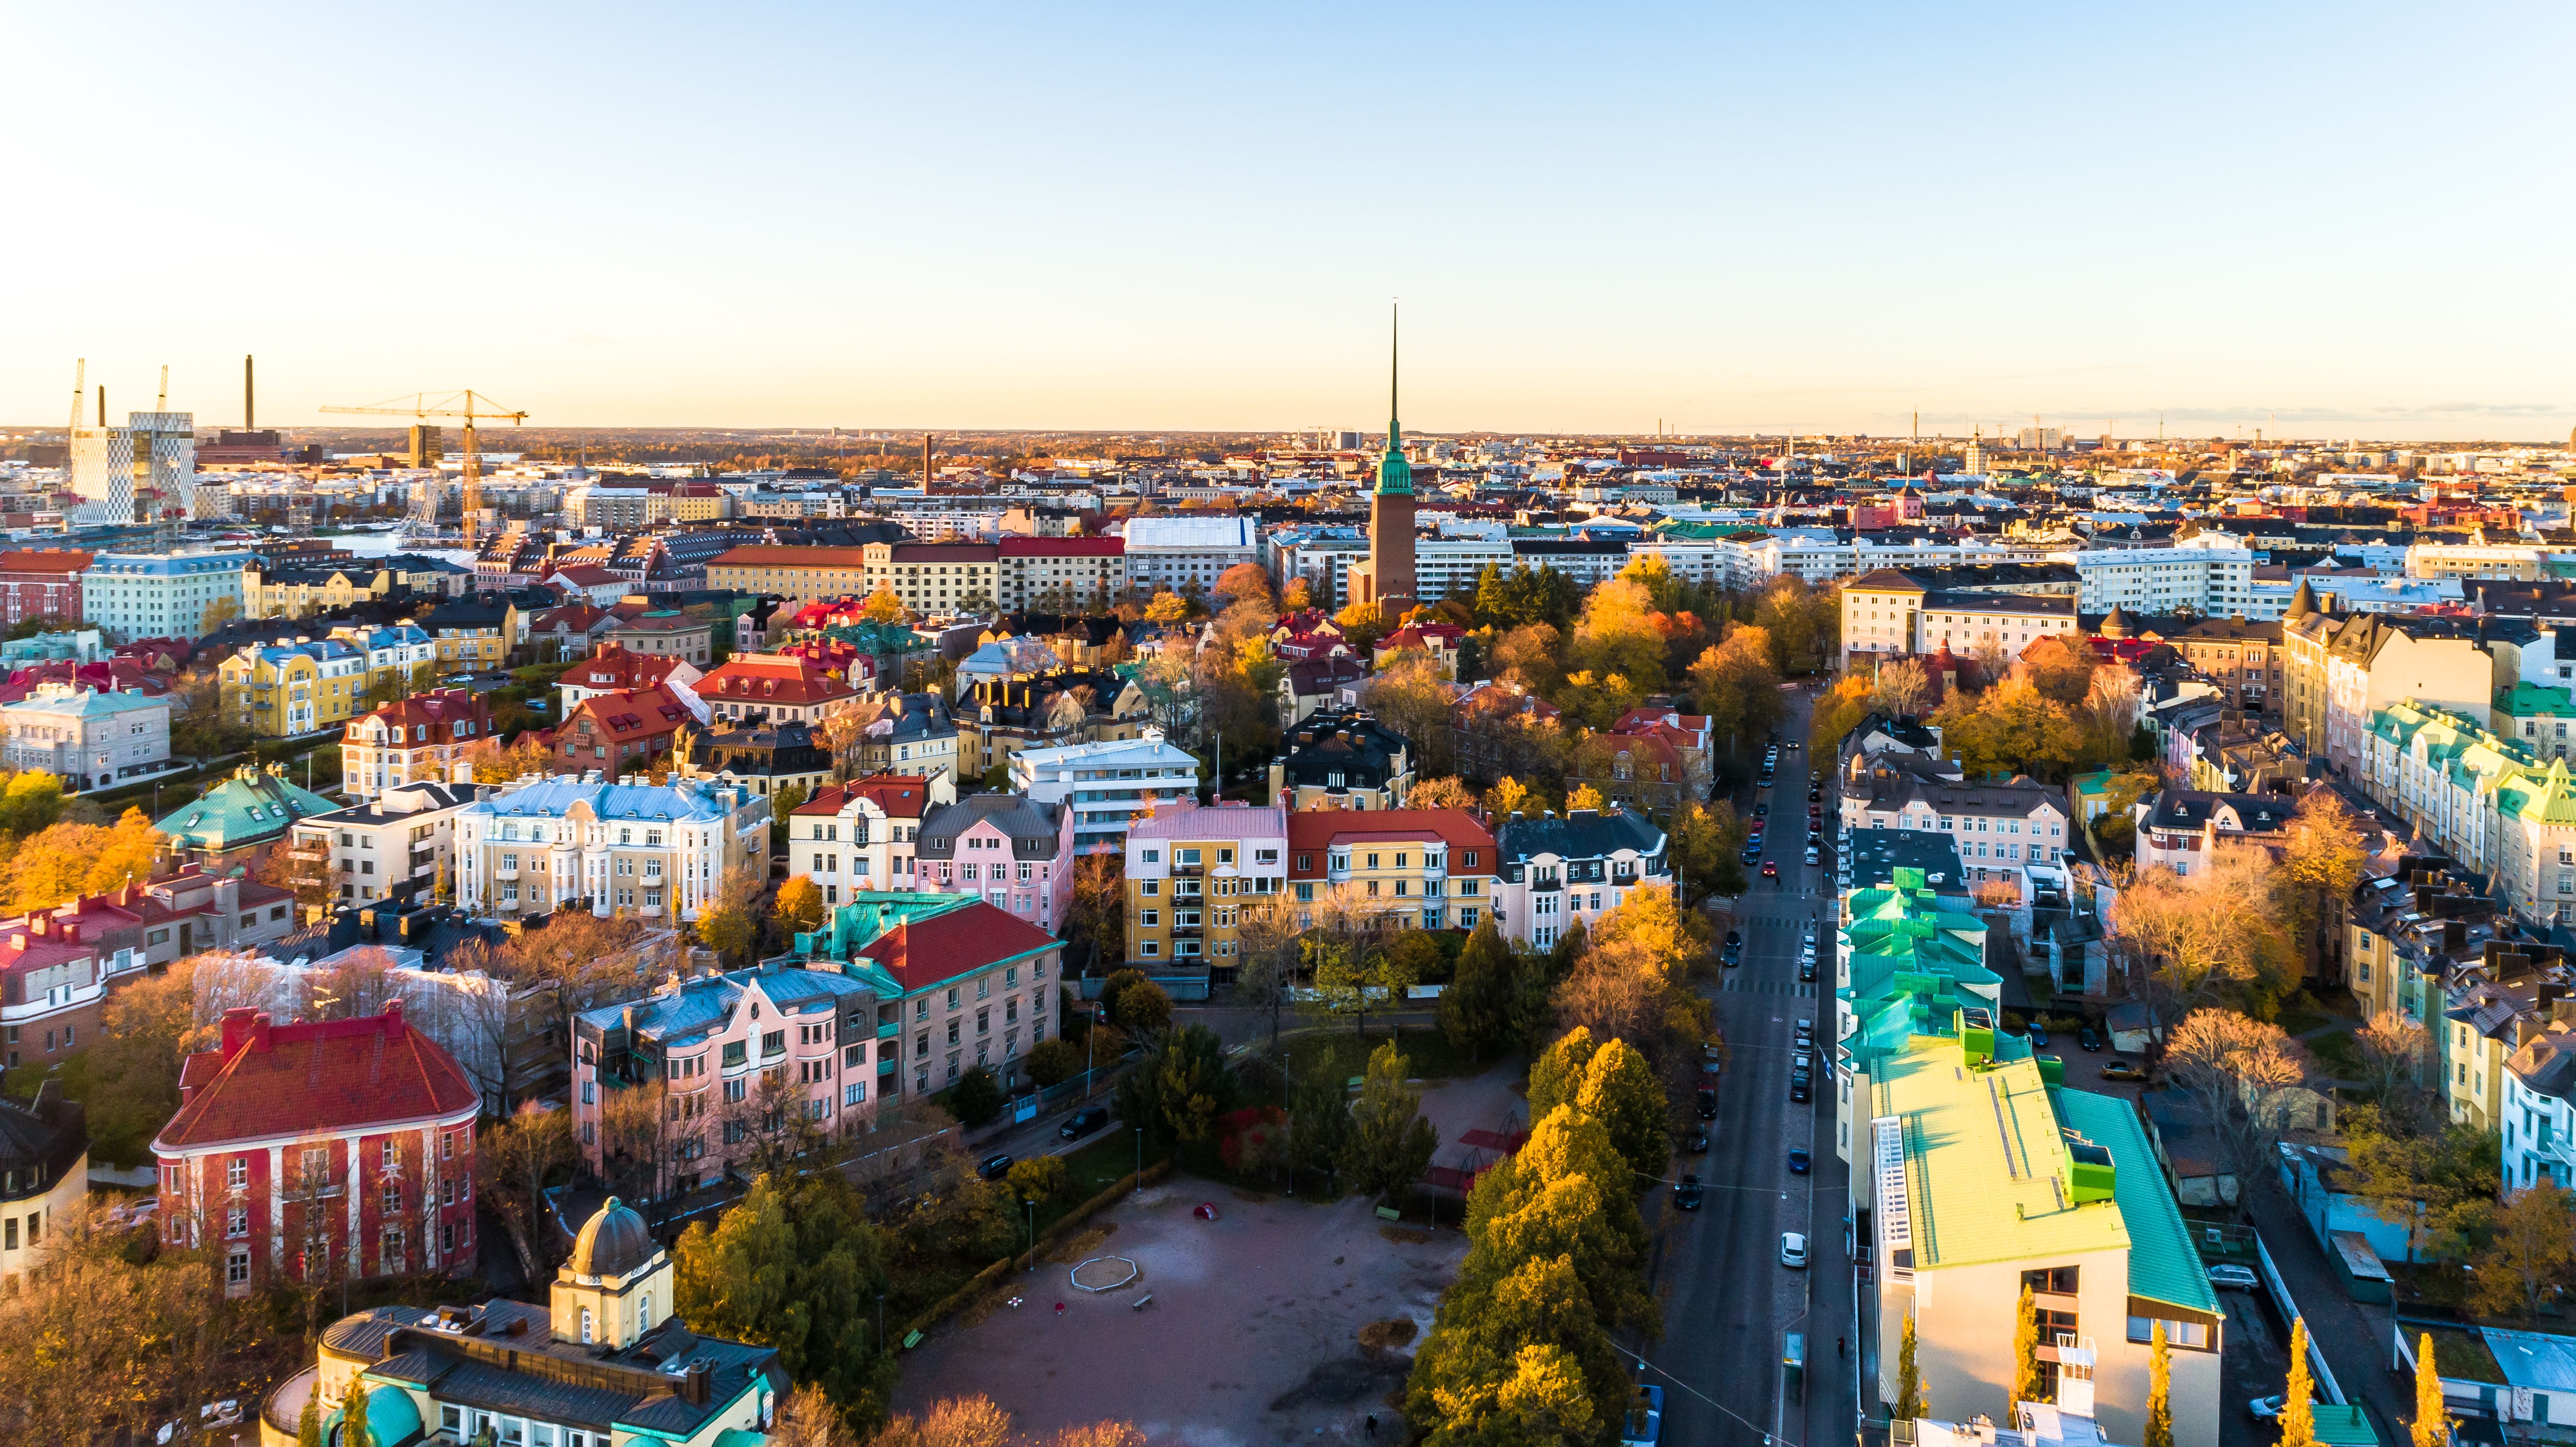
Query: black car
x=1733, y=954
x=1762, y=810
x=2089, y=1038
x=1798, y=1087
x=1699, y=1140
x=1815, y=796
x=1807, y=971
x=994, y=1167
x=1686, y=1195
x=1708, y=1105
x=1084, y=1121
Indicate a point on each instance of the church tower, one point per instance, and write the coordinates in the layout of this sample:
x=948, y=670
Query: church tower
x=1386, y=578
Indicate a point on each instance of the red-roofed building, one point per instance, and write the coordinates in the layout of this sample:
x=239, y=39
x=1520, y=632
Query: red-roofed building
x=42, y=583
x=321, y=1149
x=615, y=667
x=1656, y=757
x=1438, y=641
x=574, y=629
x=776, y=688
x=863, y=834
x=420, y=739
x=619, y=733
x=1391, y=869
x=108, y=675
x=587, y=582
x=1061, y=573
x=55, y=967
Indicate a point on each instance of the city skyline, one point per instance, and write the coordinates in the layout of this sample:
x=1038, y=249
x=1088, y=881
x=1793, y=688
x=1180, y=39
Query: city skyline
x=1802, y=224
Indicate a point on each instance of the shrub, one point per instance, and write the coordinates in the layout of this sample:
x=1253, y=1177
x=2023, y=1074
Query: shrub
x=1053, y=1062
x=1039, y=1178
x=976, y=1099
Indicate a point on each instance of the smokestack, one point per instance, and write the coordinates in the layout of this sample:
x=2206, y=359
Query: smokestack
x=250, y=414
x=102, y=404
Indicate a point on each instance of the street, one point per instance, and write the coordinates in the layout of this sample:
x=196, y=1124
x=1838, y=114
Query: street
x=1728, y=1302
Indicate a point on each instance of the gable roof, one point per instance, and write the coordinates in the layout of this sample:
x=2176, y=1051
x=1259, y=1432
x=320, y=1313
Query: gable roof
x=625, y=714
x=922, y=952
x=1034, y=828
x=1581, y=834
x=315, y=1077
x=900, y=796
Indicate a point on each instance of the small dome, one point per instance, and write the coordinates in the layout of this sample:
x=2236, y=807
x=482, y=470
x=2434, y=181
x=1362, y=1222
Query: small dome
x=612, y=1243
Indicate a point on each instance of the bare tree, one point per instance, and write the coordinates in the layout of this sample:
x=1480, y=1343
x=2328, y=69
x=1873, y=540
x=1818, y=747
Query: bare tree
x=1902, y=687
x=105, y=1347
x=362, y=981
x=2240, y=1072
x=638, y=1145
x=2392, y=1055
x=519, y=1156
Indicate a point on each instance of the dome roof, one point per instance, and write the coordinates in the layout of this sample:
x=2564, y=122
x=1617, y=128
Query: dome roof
x=2115, y=624
x=612, y=1243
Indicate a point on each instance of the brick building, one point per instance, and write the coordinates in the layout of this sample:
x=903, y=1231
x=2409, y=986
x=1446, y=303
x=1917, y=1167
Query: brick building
x=612, y=734
x=42, y=583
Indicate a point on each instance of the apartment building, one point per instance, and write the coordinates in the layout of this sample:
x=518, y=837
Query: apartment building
x=628, y=850
x=1192, y=873
x=941, y=578
x=1557, y=873
x=1888, y=611
x=667, y=632
x=2217, y=581
x=799, y=574
x=1060, y=573
x=1015, y=853
x=2539, y=1116
x=237, y=820
x=159, y=595
x=1393, y=870
x=87, y=738
x=776, y=688
x=1904, y=938
x=904, y=733
x=1343, y=758
x=1175, y=552
x=2487, y=801
x=1107, y=784
x=2342, y=669
x=402, y=658
x=320, y=1147
x=2013, y=833
x=42, y=583
x=1000, y=717
x=860, y=836
x=427, y=738
x=286, y=689
x=615, y=670
x=474, y=632
x=44, y=1160
x=401, y=842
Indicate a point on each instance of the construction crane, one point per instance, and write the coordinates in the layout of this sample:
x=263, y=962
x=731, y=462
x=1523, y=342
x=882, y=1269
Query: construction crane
x=470, y=405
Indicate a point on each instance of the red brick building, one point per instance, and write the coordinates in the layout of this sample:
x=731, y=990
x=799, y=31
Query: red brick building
x=323, y=1149
x=621, y=732
x=42, y=582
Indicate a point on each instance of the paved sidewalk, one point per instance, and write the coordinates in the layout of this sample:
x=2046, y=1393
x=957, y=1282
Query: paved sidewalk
x=2355, y=1341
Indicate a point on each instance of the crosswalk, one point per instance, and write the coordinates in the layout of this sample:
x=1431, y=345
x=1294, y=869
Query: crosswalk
x=1778, y=921
x=1738, y=985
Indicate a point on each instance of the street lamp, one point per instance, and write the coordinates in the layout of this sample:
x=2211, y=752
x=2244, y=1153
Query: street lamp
x=1140, y=1157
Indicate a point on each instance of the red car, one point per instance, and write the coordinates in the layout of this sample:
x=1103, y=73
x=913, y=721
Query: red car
x=1770, y=870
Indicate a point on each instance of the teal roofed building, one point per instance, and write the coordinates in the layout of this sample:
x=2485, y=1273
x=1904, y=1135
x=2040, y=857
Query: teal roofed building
x=244, y=814
x=1908, y=959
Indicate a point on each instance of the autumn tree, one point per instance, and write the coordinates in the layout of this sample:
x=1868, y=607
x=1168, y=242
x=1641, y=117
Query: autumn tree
x=795, y=1265
x=2159, y=1430
x=517, y=1159
x=1706, y=846
x=1531, y=655
x=2393, y=1050
x=2010, y=728
x=1737, y=686
x=2416, y=1166
x=2531, y=1241
x=2030, y=1376
x=2237, y=1070
x=800, y=905
x=2432, y=1424
x=2321, y=859
x=1902, y=687
x=1837, y=712
x=108, y=1336
x=2202, y=934
x=1391, y=1144
x=1410, y=696
x=2298, y=1402
x=1245, y=583
x=1098, y=913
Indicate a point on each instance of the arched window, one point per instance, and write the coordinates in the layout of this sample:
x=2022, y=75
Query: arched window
x=646, y=1321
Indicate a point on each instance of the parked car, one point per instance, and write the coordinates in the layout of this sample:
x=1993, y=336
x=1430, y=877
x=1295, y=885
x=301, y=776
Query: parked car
x=1793, y=1250
x=994, y=1167
x=1083, y=1122
x=1806, y=1033
x=2038, y=1036
x=226, y=1413
x=1811, y=852
x=1807, y=970
x=2239, y=1277
x=1686, y=1195
x=1699, y=1140
x=1799, y=1088
x=2122, y=1070
x=1797, y=1162
x=1762, y=810
x=2090, y=1039
x=2266, y=1409
x=1643, y=1425
x=1644, y=1420
x=1708, y=1105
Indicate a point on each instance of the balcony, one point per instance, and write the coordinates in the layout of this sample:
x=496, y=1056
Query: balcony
x=648, y=911
x=1188, y=870
x=506, y=904
x=506, y=871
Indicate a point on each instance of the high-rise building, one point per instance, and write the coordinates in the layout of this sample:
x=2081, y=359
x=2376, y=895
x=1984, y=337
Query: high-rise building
x=423, y=447
x=140, y=472
x=1386, y=578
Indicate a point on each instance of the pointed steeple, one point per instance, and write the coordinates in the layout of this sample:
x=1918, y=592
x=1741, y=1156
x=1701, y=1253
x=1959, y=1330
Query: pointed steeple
x=1394, y=474
x=2302, y=603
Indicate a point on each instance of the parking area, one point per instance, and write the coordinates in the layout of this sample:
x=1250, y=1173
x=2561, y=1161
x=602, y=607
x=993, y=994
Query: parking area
x=1252, y=1334
x=2255, y=1363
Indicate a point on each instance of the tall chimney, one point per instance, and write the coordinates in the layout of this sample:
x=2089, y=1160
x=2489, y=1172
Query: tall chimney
x=102, y=404
x=250, y=414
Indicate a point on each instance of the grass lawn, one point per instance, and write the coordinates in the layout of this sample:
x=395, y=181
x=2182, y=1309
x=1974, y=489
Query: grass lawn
x=2463, y=1355
x=2338, y=1052
x=1345, y=1054
x=2301, y=1020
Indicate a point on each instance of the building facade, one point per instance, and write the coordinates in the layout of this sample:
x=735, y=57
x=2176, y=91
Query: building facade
x=401, y=842
x=148, y=595
x=1397, y=870
x=286, y=689
x=1193, y=873
x=42, y=583
x=1555, y=873
x=88, y=738
x=421, y=739
x=631, y=851
x=1106, y=784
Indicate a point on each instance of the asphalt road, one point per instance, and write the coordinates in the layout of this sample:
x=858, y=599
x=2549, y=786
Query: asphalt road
x=1728, y=1303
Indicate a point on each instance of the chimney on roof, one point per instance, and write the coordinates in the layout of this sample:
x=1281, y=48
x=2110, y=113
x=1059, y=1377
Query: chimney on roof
x=394, y=1016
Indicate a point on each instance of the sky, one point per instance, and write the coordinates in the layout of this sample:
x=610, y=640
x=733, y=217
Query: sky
x=2325, y=221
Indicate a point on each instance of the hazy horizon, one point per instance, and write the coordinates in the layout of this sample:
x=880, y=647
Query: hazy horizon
x=2319, y=222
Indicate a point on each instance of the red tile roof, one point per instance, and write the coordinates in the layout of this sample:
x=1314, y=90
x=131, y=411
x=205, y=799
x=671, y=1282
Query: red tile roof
x=901, y=796
x=614, y=666
x=626, y=714
x=580, y=617
x=773, y=678
x=69, y=561
x=586, y=575
x=1316, y=830
x=266, y=1081
x=959, y=941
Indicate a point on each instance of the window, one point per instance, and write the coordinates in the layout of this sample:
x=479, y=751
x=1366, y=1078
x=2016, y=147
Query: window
x=237, y=1173
x=2056, y=1280
x=237, y=1267
x=2177, y=1333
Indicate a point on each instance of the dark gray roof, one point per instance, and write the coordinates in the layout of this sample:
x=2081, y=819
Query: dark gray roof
x=1889, y=788
x=2188, y=809
x=1348, y=742
x=1034, y=827
x=40, y=1140
x=613, y=1242
x=767, y=751
x=442, y=796
x=1874, y=856
x=1581, y=834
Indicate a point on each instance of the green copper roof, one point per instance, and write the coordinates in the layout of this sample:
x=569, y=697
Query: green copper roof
x=1914, y=959
x=2532, y=700
x=251, y=807
x=1394, y=474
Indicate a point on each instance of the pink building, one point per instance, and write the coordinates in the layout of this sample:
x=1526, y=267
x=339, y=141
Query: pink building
x=1016, y=853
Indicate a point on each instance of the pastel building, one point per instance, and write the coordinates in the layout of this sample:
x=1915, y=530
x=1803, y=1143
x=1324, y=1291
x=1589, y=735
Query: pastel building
x=624, y=850
x=90, y=739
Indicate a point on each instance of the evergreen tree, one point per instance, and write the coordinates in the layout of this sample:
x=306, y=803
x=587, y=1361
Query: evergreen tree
x=1476, y=1009
x=2432, y=1426
x=353, y=1416
x=308, y=1425
x=2030, y=1375
x=2298, y=1411
x=1319, y=1123
x=1391, y=1144
x=1909, y=1379
x=2159, y=1392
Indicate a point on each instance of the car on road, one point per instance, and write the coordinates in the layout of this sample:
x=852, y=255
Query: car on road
x=2266, y=1409
x=1811, y=853
x=1806, y=1032
x=1084, y=1121
x=1807, y=970
x=1770, y=869
x=1797, y=1162
x=2239, y=1277
x=994, y=1167
x=1686, y=1195
x=2090, y=1039
x=2122, y=1070
x=1793, y=1250
x=1699, y=1140
x=1794, y=746
x=1643, y=1424
x=1708, y=1105
x=1799, y=1088
x=1752, y=851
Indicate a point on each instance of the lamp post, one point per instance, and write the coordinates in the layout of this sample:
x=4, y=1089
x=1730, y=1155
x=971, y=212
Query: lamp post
x=881, y=1341
x=1140, y=1157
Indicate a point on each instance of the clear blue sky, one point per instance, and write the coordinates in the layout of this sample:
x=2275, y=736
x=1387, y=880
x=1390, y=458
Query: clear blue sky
x=1728, y=217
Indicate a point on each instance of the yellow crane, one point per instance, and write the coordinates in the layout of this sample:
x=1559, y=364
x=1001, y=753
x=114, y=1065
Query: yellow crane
x=470, y=405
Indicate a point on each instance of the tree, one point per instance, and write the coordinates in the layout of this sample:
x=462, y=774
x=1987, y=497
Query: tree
x=1739, y=689
x=1838, y=711
x=1040, y=1178
x=1391, y=1144
x=800, y=905
x=2321, y=859
x=2531, y=1241
x=2029, y=1376
x=1802, y=624
x=807, y=1419
x=976, y=1422
x=517, y=1159
x=355, y=1429
x=1319, y=1122
x=2432, y=1424
x=637, y=1144
x=882, y=606
x=1245, y=583
x=2201, y=933
x=1441, y=793
x=1179, y=1088
x=1053, y=1061
x=1167, y=607
x=2298, y=1406
x=1621, y=1092
x=1476, y=1008
x=976, y=1098
x=2392, y=1052
x=1617, y=635
x=1098, y=913
x=1909, y=1378
x=2159, y=1431
x=308, y=1423
x=1902, y=687
x=2010, y=728
x=2409, y=1166
x=2237, y=1071
x=1585, y=797
x=1556, y=1076
x=794, y=1265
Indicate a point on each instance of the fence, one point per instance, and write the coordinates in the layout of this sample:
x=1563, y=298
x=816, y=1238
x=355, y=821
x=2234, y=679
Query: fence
x=2290, y=1312
x=983, y=1280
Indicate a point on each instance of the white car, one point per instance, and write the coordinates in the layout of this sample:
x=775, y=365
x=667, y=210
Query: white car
x=1793, y=1250
x=2240, y=1277
x=226, y=1413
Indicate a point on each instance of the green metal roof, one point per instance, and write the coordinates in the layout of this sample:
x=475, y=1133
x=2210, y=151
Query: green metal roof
x=2532, y=700
x=2342, y=1426
x=251, y=807
x=2163, y=1265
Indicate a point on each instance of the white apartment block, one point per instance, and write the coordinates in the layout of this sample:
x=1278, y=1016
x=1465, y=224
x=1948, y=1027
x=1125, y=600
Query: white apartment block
x=1449, y=567
x=141, y=472
x=635, y=851
x=1106, y=784
x=159, y=595
x=1175, y=552
x=2218, y=582
x=406, y=835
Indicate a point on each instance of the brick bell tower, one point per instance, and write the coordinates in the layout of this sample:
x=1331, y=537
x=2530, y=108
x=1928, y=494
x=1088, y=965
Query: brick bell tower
x=1387, y=577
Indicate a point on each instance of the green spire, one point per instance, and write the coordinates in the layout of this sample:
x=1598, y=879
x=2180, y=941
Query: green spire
x=1394, y=474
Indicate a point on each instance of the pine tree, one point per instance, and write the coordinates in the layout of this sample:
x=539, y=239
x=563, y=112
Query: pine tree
x=2030, y=1379
x=2298, y=1413
x=2432, y=1420
x=353, y=1416
x=1909, y=1379
x=2159, y=1392
x=308, y=1425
